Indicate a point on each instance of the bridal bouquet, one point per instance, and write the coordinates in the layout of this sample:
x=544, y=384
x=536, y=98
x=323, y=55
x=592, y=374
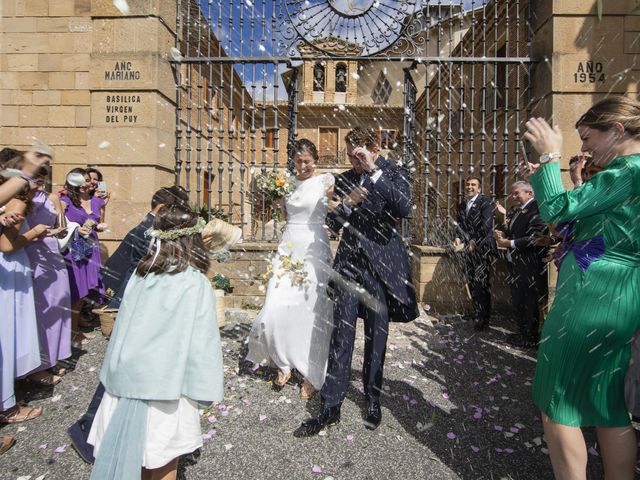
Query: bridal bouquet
x=289, y=267
x=275, y=184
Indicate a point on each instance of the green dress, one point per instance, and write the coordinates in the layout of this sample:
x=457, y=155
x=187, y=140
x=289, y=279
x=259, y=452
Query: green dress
x=585, y=343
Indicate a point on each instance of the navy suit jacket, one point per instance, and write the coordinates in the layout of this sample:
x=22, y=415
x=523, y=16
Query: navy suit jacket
x=371, y=229
x=477, y=225
x=123, y=262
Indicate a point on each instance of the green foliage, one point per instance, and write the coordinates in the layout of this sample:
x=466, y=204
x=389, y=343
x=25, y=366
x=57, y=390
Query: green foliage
x=220, y=282
x=203, y=212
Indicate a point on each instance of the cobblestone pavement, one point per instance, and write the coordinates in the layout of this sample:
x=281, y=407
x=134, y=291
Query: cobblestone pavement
x=457, y=406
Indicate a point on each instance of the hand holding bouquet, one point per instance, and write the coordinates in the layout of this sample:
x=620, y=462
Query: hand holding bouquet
x=275, y=184
x=294, y=269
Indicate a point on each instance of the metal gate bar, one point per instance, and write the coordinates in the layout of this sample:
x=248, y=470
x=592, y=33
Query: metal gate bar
x=464, y=119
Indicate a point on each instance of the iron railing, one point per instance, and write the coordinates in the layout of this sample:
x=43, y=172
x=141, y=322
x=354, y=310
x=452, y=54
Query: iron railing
x=457, y=75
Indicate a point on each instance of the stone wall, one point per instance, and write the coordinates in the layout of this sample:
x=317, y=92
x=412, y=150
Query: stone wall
x=439, y=279
x=584, y=59
x=45, y=58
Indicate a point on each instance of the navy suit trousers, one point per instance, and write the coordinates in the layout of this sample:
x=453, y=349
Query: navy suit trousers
x=361, y=293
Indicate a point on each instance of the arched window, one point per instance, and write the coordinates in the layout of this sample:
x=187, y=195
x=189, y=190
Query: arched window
x=341, y=77
x=318, y=77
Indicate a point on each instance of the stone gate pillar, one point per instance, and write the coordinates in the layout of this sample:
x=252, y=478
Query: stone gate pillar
x=131, y=138
x=582, y=59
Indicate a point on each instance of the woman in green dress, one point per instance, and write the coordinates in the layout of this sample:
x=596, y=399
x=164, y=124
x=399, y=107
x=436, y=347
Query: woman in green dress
x=585, y=343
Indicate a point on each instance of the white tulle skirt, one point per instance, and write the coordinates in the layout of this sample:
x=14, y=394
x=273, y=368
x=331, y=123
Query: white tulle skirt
x=173, y=429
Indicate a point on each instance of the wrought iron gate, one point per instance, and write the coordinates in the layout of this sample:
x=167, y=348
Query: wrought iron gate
x=443, y=83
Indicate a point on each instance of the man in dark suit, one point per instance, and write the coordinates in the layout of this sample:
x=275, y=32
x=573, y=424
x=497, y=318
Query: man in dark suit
x=116, y=274
x=475, y=219
x=372, y=277
x=527, y=267
x=122, y=263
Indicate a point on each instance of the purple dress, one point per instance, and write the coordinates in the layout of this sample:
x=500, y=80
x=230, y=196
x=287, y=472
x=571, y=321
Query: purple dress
x=51, y=292
x=84, y=276
x=19, y=348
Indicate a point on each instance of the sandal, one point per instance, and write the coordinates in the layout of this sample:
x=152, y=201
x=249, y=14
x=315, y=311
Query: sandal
x=282, y=379
x=58, y=370
x=44, y=378
x=79, y=339
x=307, y=390
x=20, y=413
x=6, y=443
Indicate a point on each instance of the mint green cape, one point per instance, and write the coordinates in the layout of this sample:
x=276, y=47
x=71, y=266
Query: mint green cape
x=165, y=345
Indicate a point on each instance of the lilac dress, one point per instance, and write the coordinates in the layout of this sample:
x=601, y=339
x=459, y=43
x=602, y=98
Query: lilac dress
x=19, y=347
x=84, y=276
x=51, y=292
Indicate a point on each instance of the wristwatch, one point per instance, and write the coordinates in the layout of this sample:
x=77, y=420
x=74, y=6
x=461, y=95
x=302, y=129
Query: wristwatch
x=546, y=157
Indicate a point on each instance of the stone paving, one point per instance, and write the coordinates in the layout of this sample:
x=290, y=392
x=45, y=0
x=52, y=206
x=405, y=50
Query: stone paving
x=456, y=406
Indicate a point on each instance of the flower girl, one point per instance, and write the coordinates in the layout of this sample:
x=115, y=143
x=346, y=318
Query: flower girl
x=164, y=356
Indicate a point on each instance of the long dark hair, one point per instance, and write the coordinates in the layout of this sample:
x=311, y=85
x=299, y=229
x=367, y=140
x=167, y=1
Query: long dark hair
x=25, y=195
x=74, y=192
x=175, y=255
x=89, y=171
x=96, y=171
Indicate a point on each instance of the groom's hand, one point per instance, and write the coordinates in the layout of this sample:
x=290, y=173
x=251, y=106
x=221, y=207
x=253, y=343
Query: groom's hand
x=356, y=197
x=366, y=157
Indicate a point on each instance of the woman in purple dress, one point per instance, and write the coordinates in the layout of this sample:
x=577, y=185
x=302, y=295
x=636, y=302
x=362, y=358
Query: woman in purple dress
x=84, y=273
x=51, y=292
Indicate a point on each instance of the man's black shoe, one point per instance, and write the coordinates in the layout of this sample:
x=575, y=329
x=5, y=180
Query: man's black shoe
x=522, y=342
x=312, y=426
x=374, y=416
x=480, y=325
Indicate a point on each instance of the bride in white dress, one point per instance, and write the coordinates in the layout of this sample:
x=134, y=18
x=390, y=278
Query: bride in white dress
x=293, y=329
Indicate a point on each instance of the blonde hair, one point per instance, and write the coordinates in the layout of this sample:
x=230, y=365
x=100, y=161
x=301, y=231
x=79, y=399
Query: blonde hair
x=616, y=108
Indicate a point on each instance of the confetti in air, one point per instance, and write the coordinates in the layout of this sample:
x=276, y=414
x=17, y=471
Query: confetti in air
x=122, y=6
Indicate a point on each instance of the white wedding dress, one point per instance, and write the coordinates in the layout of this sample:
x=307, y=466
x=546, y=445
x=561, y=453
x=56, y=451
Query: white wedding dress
x=293, y=329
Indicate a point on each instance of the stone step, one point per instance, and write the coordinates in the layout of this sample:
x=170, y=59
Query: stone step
x=239, y=315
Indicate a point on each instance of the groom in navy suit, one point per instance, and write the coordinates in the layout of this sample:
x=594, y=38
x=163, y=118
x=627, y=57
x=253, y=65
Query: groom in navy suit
x=372, y=277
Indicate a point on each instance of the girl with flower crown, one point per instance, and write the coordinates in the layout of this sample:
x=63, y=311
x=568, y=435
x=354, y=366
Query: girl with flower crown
x=163, y=357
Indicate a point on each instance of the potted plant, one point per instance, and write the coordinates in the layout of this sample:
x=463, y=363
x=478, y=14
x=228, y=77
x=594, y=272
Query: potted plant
x=210, y=213
x=221, y=285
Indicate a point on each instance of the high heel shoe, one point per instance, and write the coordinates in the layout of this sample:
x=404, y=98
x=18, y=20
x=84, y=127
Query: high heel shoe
x=307, y=390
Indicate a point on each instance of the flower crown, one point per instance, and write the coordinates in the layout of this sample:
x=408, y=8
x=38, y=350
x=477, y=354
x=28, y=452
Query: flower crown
x=176, y=233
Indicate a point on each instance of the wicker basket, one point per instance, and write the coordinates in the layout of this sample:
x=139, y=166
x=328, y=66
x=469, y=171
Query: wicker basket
x=107, y=319
x=220, y=307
